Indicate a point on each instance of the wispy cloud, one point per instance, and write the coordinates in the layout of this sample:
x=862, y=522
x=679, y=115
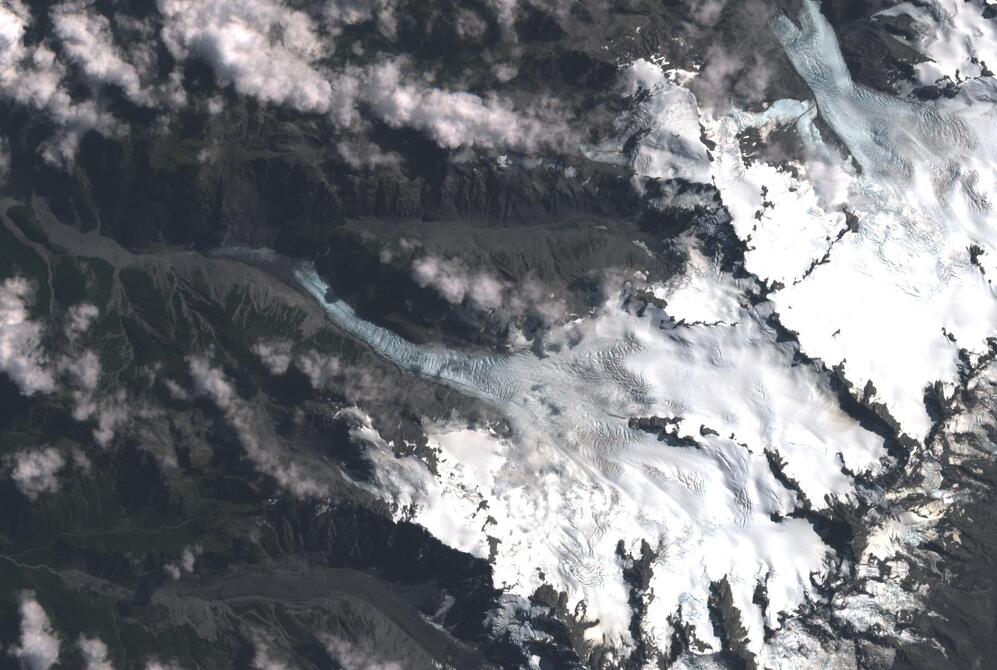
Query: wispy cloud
x=79, y=319
x=211, y=382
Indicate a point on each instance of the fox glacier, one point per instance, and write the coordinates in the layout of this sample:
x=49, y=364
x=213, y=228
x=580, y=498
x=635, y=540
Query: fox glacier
x=526, y=334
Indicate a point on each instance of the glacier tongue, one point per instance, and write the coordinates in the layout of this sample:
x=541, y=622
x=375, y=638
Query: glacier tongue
x=577, y=476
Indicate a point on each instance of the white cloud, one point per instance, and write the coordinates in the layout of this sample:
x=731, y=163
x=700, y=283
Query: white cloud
x=175, y=390
x=448, y=277
x=160, y=665
x=80, y=318
x=505, y=72
x=319, y=369
x=340, y=13
x=277, y=356
x=505, y=10
x=456, y=283
x=264, y=658
x=83, y=375
x=36, y=472
x=359, y=152
x=351, y=12
x=23, y=359
x=186, y=564
x=486, y=291
x=533, y=298
x=39, y=646
x=261, y=48
x=188, y=557
x=455, y=119
x=86, y=39
x=94, y=652
x=111, y=415
x=272, y=53
x=469, y=25
x=80, y=459
x=210, y=382
x=21, y=355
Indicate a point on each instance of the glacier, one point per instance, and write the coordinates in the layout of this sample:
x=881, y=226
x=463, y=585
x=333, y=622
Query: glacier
x=576, y=477
x=875, y=250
